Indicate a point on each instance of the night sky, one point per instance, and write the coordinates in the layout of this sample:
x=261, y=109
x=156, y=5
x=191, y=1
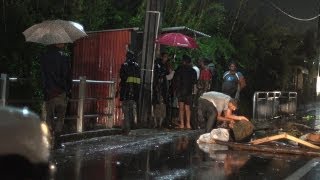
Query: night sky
x=297, y=8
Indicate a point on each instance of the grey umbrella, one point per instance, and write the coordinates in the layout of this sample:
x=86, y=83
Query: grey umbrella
x=54, y=32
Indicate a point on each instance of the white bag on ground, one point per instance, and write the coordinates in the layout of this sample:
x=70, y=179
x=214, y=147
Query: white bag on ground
x=220, y=134
x=205, y=138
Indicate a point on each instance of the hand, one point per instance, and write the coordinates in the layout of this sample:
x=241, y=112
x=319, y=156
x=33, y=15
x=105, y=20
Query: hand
x=242, y=118
x=231, y=124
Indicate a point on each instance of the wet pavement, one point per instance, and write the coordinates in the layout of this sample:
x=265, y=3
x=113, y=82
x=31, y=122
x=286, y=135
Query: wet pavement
x=155, y=154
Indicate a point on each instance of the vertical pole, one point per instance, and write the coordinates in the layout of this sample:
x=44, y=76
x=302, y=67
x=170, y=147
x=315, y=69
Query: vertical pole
x=318, y=67
x=154, y=55
x=254, y=106
x=150, y=31
x=3, y=89
x=267, y=106
x=82, y=92
x=111, y=105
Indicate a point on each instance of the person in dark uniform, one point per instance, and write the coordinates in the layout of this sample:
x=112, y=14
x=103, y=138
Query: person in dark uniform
x=129, y=90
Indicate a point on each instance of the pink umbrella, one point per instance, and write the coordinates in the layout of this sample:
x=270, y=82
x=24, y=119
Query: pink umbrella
x=177, y=39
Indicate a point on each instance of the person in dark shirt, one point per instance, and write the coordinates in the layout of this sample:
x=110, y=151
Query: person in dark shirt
x=184, y=80
x=233, y=81
x=57, y=81
x=161, y=95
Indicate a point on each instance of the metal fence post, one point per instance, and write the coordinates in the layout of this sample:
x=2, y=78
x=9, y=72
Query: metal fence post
x=111, y=105
x=254, y=106
x=292, y=102
x=82, y=92
x=276, y=104
x=3, y=89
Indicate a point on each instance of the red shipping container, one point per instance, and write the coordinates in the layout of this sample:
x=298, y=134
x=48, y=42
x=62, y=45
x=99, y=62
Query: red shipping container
x=99, y=57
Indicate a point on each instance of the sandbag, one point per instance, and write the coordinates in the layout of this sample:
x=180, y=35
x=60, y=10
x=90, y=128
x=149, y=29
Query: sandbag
x=242, y=130
x=205, y=138
x=220, y=134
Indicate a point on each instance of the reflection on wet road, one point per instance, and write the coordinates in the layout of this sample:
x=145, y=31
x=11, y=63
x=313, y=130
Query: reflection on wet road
x=152, y=154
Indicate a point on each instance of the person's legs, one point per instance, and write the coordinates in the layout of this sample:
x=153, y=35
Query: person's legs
x=194, y=111
x=188, y=105
x=181, y=114
x=168, y=119
x=131, y=114
x=212, y=116
x=200, y=113
x=50, y=106
x=60, y=108
x=207, y=114
x=126, y=113
x=135, y=115
x=188, y=115
x=50, y=115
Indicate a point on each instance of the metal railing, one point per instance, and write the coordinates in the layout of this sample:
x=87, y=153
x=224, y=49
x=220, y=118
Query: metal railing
x=274, y=104
x=81, y=100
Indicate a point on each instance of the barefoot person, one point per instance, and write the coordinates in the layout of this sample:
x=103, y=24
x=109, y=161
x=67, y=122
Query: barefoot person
x=184, y=80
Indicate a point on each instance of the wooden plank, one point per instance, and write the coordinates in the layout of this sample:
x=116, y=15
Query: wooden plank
x=269, y=149
x=292, y=138
x=284, y=136
x=269, y=138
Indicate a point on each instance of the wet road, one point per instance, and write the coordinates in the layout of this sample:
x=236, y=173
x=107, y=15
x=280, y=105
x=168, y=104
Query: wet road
x=153, y=154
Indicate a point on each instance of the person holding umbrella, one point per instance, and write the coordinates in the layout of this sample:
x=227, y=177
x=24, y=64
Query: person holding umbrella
x=185, y=77
x=55, y=68
x=56, y=81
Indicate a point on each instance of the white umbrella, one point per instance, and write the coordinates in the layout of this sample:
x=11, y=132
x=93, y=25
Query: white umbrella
x=54, y=32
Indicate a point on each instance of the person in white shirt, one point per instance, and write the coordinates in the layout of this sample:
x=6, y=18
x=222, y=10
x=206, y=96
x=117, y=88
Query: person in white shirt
x=213, y=106
x=197, y=70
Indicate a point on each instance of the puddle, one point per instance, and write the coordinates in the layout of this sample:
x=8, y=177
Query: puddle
x=167, y=156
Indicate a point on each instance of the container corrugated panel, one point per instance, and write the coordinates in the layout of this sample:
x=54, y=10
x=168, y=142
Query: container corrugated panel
x=99, y=57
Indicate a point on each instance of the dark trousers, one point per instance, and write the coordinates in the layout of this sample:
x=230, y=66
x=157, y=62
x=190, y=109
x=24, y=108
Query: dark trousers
x=129, y=109
x=56, y=107
x=207, y=114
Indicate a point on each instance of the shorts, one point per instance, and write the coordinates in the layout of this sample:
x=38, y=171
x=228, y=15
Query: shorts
x=186, y=99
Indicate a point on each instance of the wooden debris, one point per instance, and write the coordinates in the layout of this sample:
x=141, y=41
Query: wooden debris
x=268, y=139
x=269, y=149
x=284, y=136
x=314, y=137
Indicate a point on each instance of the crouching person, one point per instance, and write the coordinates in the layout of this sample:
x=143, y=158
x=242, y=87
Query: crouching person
x=217, y=108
